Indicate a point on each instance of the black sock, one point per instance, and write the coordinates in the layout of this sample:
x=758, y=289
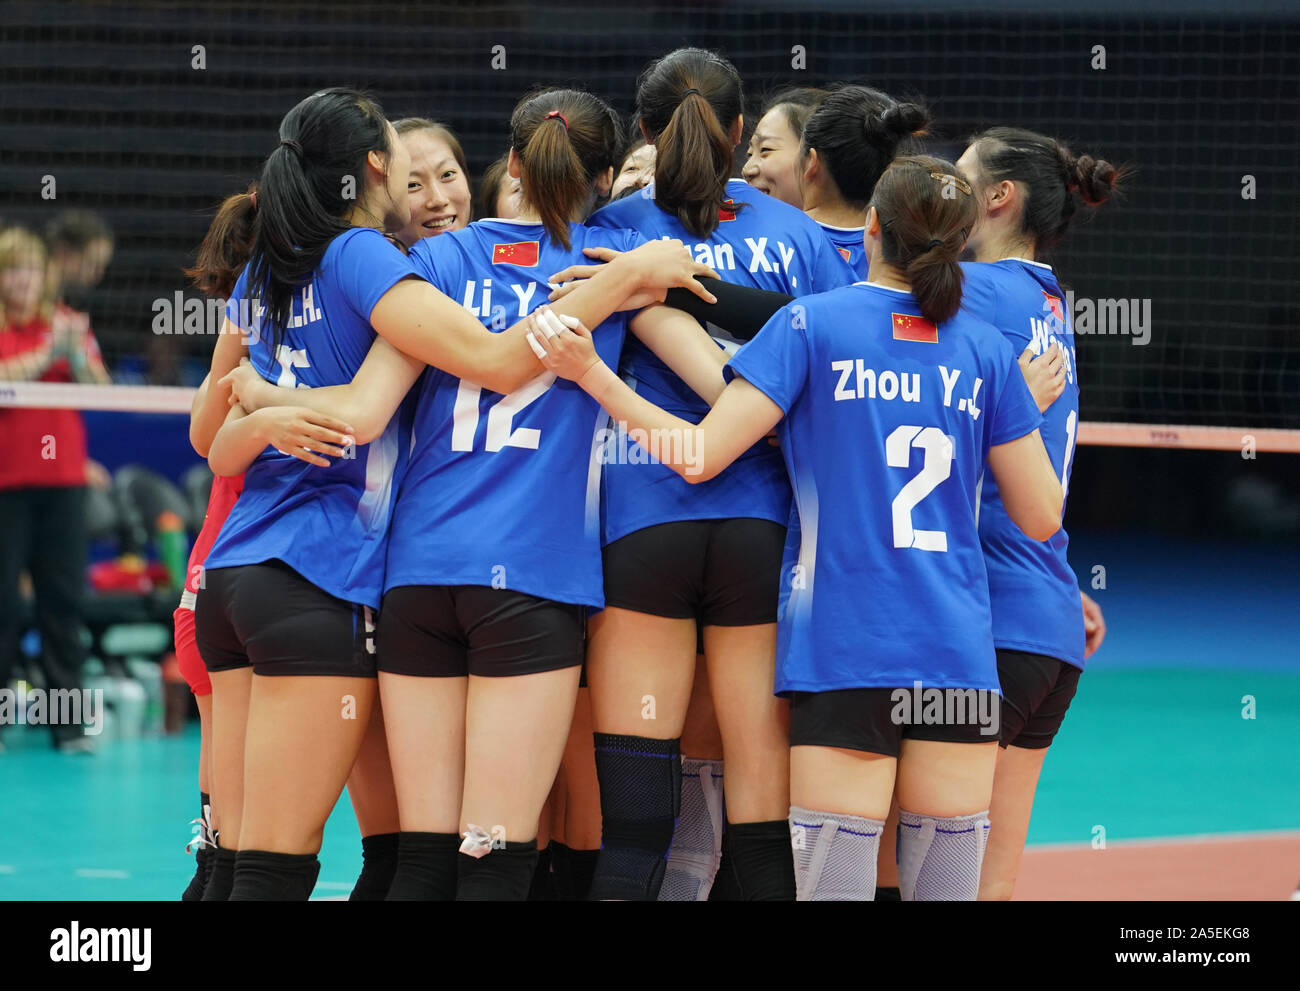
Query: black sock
x=426, y=868
x=890, y=894
x=543, y=886
x=572, y=871
x=222, y=877
x=501, y=875
x=640, y=796
x=378, y=864
x=203, y=858
x=263, y=876
x=725, y=888
x=762, y=860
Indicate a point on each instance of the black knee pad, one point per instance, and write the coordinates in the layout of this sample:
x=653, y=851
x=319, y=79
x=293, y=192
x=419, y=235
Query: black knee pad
x=761, y=859
x=426, y=868
x=542, y=888
x=378, y=865
x=222, y=878
x=203, y=858
x=640, y=796
x=572, y=871
x=264, y=876
x=503, y=874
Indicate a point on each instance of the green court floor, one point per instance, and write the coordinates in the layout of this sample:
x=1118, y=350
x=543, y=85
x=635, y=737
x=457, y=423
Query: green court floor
x=1144, y=753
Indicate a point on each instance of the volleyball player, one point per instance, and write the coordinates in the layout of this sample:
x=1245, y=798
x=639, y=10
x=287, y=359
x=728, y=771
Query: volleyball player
x=221, y=499
x=636, y=170
x=215, y=273
x=498, y=194
x=847, y=142
x=677, y=555
x=439, y=181
x=890, y=591
x=221, y=258
x=773, y=163
x=296, y=571
x=439, y=192
x=1028, y=188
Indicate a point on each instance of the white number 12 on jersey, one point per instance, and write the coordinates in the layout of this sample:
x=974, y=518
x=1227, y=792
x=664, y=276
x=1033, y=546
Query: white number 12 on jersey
x=500, y=422
x=935, y=469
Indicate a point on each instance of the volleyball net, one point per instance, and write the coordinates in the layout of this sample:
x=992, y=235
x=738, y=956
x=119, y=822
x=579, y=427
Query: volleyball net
x=1182, y=292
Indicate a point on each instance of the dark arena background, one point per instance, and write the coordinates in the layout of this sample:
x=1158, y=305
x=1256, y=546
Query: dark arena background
x=1184, y=510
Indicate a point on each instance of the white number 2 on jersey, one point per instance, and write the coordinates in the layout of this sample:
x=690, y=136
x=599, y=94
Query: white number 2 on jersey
x=935, y=469
x=500, y=430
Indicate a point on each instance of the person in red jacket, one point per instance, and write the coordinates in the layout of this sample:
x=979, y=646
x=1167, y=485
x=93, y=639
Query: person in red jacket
x=43, y=468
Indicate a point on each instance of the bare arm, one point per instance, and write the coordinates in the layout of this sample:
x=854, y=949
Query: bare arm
x=303, y=433
x=1028, y=485
x=684, y=346
x=741, y=417
x=419, y=325
x=419, y=320
x=212, y=404
x=368, y=402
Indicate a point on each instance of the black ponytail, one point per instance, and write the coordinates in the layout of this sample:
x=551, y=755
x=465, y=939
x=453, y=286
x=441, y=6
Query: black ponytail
x=309, y=186
x=688, y=100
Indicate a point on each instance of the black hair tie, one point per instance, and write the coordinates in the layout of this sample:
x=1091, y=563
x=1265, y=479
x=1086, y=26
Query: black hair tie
x=293, y=146
x=690, y=91
x=936, y=243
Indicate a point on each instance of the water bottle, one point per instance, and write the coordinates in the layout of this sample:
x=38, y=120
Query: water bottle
x=172, y=549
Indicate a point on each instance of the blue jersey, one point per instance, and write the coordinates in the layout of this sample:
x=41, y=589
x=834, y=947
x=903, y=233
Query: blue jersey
x=328, y=524
x=504, y=491
x=888, y=425
x=1034, y=592
x=765, y=244
x=848, y=241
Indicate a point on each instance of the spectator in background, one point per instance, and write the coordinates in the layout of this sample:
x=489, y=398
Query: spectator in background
x=43, y=469
x=80, y=246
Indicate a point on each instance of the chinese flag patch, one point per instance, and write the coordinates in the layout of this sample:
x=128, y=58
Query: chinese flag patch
x=844, y=253
x=725, y=214
x=521, y=253
x=1054, y=304
x=910, y=328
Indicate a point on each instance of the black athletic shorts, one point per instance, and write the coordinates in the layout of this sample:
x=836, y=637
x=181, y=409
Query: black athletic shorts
x=269, y=617
x=716, y=572
x=1036, y=693
x=877, y=720
x=450, y=631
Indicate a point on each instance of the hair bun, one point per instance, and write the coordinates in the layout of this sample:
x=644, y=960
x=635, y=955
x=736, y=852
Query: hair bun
x=903, y=119
x=1094, y=178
